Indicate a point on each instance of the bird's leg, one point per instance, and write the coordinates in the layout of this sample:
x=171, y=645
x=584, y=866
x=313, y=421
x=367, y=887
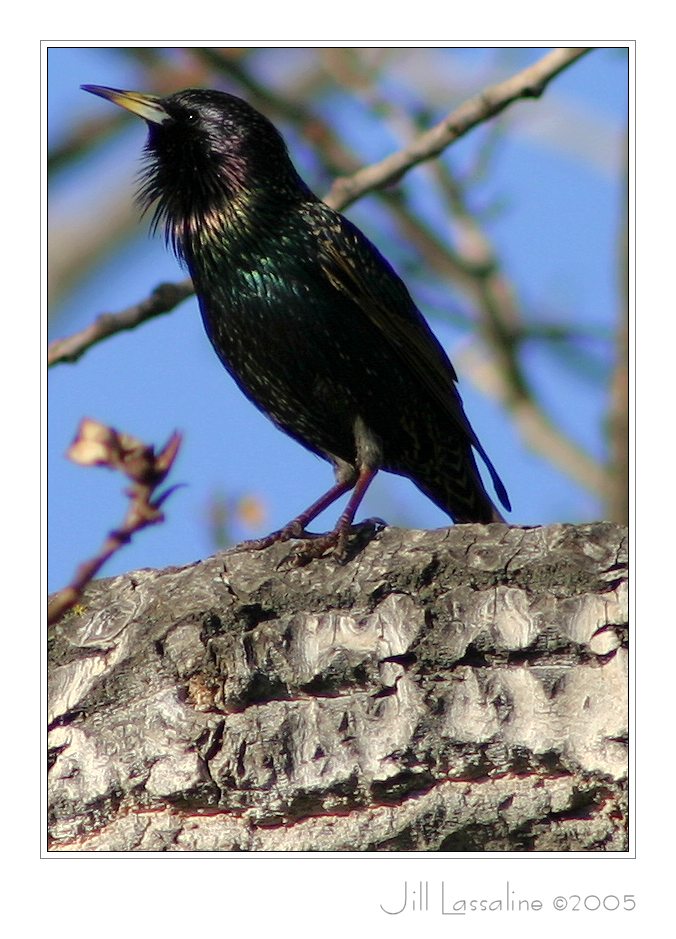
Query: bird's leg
x=369, y=459
x=337, y=538
x=357, y=476
x=296, y=527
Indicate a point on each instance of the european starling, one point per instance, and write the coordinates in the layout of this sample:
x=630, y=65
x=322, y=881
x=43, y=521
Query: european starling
x=310, y=320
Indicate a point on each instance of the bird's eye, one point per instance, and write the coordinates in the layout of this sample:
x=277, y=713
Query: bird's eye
x=191, y=117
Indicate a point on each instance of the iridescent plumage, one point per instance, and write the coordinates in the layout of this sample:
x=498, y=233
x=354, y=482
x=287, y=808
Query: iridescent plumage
x=307, y=316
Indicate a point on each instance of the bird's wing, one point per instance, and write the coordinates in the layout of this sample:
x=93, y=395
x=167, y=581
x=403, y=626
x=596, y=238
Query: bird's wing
x=356, y=268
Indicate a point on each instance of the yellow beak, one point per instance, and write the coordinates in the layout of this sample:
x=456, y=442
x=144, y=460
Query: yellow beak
x=146, y=106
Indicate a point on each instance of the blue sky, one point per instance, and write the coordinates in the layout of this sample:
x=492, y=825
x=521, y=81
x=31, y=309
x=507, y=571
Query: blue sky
x=557, y=177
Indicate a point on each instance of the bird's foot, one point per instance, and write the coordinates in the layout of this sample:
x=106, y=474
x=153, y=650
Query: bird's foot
x=345, y=542
x=314, y=545
x=293, y=530
x=317, y=545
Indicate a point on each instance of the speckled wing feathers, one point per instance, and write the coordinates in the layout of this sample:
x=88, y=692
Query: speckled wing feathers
x=400, y=323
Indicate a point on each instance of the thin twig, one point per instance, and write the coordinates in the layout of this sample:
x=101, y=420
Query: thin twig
x=163, y=299
x=98, y=445
x=530, y=83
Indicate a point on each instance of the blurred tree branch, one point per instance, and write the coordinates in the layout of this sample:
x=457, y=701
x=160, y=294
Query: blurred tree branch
x=98, y=445
x=162, y=300
x=530, y=83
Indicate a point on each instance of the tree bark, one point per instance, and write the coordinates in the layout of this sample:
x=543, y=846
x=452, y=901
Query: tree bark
x=463, y=689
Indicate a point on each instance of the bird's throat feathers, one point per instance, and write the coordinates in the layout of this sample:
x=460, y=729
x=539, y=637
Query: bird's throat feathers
x=214, y=209
x=195, y=213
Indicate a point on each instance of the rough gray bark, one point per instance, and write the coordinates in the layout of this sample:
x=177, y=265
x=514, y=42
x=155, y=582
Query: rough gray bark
x=455, y=690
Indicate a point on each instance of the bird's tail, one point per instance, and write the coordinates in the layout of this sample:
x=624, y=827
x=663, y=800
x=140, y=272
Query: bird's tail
x=459, y=489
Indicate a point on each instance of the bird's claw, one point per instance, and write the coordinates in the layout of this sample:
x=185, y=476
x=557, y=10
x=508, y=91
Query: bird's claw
x=291, y=531
x=339, y=539
x=315, y=544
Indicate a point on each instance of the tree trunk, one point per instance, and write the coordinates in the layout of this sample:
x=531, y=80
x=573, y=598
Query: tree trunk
x=463, y=689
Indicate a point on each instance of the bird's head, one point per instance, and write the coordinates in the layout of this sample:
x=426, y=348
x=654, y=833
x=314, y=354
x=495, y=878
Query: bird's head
x=211, y=158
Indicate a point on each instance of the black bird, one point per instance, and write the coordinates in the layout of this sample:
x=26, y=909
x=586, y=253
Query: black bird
x=304, y=312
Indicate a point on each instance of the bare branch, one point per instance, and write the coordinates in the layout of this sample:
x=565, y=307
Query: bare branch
x=163, y=299
x=98, y=445
x=530, y=83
